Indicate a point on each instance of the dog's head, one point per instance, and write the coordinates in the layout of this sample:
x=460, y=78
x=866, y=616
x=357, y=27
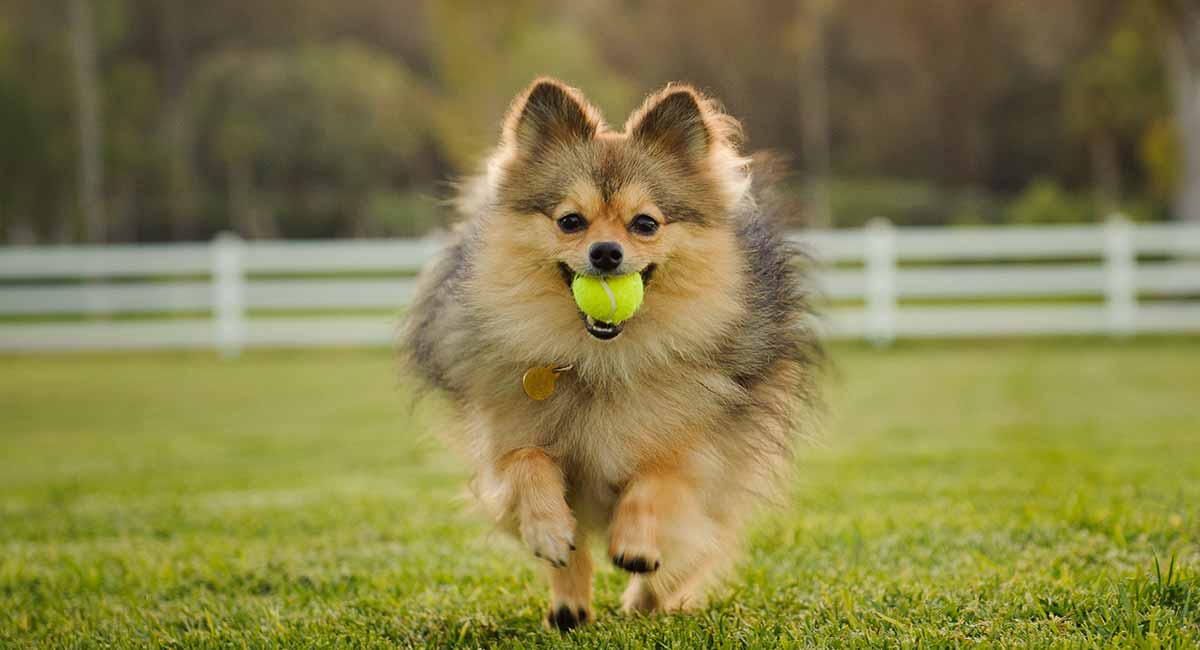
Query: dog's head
x=565, y=195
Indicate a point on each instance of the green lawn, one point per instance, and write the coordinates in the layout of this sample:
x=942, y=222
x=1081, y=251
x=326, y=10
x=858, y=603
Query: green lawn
x=1001, y=493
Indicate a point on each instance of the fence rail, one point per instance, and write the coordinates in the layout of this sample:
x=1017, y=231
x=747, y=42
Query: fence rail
x=882, y=282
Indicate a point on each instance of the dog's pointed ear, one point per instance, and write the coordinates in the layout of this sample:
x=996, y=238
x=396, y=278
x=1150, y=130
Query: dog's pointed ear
x=673, y=120
x=549, y=112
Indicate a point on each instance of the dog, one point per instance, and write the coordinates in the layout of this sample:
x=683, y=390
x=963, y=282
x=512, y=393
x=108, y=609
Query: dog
x=660, y=432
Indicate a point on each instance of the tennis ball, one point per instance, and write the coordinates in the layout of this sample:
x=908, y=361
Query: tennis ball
x=608, y=299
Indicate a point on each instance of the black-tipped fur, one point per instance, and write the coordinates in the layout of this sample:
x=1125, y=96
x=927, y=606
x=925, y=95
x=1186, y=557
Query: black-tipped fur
x=551, y=114
x=676, y=126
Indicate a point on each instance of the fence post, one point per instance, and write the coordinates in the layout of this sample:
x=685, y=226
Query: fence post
x=880, y=268
x=229, y=301
x=1120, y=262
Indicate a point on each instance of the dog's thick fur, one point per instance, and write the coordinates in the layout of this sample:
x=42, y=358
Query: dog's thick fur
x=661, y=437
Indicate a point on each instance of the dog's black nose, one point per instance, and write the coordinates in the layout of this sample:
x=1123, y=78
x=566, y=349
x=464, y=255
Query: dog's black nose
x=605, y=255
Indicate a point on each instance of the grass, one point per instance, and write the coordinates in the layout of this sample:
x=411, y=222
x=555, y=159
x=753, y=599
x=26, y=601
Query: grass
x=1007, y=494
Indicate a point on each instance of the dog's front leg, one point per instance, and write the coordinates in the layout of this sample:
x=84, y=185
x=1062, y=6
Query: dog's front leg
x=536, y=500
x=530, y=488
x=661, y=533
x=633, y=535
x=571, y=589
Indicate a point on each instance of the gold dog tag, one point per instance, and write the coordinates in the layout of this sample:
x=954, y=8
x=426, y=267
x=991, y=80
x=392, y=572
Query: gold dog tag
x=538, y=381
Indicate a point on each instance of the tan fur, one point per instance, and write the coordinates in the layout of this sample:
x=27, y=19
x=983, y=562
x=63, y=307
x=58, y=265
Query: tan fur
x=571, y=586
x=651, y=437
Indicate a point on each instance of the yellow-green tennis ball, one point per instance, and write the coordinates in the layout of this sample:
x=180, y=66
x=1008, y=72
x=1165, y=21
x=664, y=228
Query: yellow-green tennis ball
x=608, y=299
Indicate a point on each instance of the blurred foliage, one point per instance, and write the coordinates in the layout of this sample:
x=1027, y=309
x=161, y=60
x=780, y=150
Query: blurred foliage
x=307, y=135
x=485, y=53
x=390, y=213
x=1159, y=149
x=1044, y=201
x=303, y=118
x=858, y=200
x=36, y=151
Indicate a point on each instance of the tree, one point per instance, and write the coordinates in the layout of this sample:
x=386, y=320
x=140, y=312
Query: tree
x=184, y=117
x=87, y=93
x=311, y=133
x=1181, y=28
x=1113, y=97
x=813, y=18
x=484, y=53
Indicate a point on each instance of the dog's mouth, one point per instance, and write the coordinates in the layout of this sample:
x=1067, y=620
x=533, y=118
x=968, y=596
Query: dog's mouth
x=599, y=329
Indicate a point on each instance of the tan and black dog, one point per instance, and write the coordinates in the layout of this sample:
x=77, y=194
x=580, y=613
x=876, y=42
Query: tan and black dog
x=666, y=428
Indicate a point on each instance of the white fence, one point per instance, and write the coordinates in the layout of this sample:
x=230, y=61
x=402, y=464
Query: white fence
x=882, y=282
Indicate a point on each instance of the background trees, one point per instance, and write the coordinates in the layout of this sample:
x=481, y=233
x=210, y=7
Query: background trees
x=166, y=119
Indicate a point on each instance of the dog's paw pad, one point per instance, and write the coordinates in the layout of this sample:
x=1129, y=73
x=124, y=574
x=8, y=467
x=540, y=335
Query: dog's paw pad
x=637, y=563
x=564, y=618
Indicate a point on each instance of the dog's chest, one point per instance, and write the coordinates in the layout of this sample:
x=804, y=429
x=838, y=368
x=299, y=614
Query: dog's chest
x=604, y=436
x=599, y=440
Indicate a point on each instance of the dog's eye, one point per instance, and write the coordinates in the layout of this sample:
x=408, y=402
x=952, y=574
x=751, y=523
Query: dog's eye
x=572, y=223
x=644, y=224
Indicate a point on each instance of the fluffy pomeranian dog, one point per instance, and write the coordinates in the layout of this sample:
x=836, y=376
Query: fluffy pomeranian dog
x=660, y=432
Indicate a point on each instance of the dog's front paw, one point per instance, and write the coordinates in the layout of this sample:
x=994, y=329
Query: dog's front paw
x=632, y=548
x=565, y=617
x=638, y=563
x=550, y=538
x=643, y=561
